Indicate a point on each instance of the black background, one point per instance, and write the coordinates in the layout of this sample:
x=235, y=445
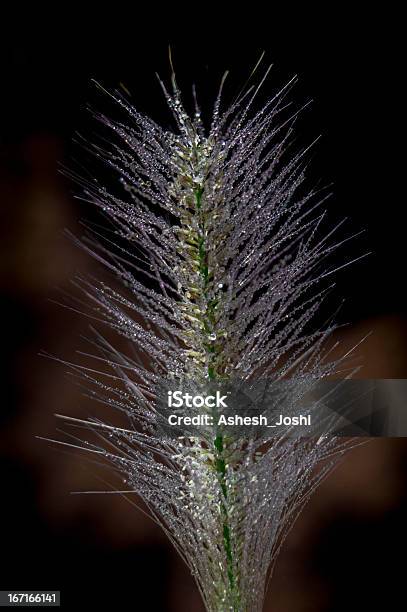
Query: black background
x=347, y=60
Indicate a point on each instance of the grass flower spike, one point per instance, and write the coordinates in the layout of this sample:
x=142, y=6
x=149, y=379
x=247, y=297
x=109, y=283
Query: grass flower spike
x=218, y=257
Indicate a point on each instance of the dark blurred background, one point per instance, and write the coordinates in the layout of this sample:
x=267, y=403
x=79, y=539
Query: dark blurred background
x=346, y=551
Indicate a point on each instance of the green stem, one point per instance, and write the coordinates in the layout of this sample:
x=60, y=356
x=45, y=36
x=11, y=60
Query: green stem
x=219, y=442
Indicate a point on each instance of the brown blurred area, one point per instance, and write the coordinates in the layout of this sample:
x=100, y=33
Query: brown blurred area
x=342, y=551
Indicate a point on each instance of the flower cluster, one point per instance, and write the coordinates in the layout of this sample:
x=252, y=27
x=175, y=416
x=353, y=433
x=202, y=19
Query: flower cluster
x=218, y=253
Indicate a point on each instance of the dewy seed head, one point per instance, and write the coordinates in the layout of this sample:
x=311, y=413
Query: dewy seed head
x=204, y=291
